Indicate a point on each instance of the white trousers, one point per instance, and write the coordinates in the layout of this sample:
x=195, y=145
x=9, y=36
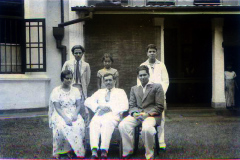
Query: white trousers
x=161, y=137
x=102, y=126
x=126, y=128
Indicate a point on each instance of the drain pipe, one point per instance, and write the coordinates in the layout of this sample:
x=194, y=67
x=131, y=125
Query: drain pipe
x=58, y=32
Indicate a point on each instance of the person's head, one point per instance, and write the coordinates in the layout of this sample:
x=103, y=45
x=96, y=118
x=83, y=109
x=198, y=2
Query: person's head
x=229, y=67
x=152, y=51
x=143, y=74
x=78, y=52
x=109, y=80
x=107, y=60
x=66, y=77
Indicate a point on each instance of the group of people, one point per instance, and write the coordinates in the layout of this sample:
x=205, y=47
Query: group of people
x=145, y=106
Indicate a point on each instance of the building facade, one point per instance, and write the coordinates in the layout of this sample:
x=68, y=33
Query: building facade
x=195, y=38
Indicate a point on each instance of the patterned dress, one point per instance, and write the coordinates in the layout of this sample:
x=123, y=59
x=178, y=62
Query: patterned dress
x=230, y=88
x=66, y=137
x=104, y=71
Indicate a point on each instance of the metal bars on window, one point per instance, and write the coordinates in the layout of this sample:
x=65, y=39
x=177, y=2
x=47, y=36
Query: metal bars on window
x=10, y=46
x=35, y=45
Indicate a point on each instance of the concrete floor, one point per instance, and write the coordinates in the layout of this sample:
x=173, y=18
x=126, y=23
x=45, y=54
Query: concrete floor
x=190, y=133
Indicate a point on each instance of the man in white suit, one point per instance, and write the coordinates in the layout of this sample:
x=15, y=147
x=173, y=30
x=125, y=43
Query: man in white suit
x=107, y=104
x=158, y=74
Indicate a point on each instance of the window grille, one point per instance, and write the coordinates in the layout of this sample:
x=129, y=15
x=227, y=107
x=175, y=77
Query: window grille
x=10, y=45
x=22, y=45
x=35, y=45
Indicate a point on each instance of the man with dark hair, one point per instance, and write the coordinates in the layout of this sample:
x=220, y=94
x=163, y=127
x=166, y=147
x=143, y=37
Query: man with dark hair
x=81, y=76
x=146, y=105
x=107, y=104
x=158, y=74
x=80, y=69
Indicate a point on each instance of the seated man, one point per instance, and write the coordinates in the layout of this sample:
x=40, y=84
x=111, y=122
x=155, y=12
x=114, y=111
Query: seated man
x=107, y=104
x=146, y=105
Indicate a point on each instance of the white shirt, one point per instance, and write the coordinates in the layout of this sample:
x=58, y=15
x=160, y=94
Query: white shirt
x=145, y=87
x=118, y=100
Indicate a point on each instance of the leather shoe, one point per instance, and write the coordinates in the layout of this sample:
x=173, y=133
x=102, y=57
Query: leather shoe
x=94, y=157
x=127, y=156
x=103, y=154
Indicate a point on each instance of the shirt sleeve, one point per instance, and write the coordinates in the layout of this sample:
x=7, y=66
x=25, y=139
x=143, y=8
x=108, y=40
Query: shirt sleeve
x=55, y=96
x=121, y=103
x=99, y=75
x=77, y=94
x=116, y=74
x=92, y=102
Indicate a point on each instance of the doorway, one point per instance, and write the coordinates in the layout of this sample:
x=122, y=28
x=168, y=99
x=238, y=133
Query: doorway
x=188, y=58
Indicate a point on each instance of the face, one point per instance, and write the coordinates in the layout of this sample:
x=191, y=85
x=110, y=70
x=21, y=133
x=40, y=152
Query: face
x=67, y=80
x=152, y=53
x=107, y=63
x=143, y=77
x=109, y=82
x=78, y=54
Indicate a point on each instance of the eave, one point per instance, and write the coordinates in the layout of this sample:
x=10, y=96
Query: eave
x=162, y=10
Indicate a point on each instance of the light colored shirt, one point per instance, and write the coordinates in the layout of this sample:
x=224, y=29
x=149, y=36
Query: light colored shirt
x=145, y=87
x=158, y=74
x=118, y=100
x=230, y=75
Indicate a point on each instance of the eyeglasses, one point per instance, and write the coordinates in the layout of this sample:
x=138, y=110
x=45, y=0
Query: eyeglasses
x=68, y=78
x=78, y=53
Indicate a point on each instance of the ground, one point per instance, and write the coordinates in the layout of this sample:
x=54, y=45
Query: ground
x=197, y=134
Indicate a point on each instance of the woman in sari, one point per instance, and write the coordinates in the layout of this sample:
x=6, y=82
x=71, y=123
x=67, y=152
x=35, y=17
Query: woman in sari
x=64, y=119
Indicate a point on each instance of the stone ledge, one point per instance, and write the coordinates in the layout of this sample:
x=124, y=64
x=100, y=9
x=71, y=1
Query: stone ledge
x=23, y=77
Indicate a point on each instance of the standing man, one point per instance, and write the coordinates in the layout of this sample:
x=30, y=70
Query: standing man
x=158, y=74
x=146, y=105
x=81, y=73
x=107, y=104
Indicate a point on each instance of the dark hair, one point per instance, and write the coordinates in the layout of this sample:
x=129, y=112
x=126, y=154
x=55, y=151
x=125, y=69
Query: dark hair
x=143, y=67
x=77, y=47
x=151, y=46
x=107, y=55
x=109, y=74
x=65, y=73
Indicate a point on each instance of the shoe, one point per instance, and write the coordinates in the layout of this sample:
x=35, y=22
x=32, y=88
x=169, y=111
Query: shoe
x=162, y=149
x=103, y=154
x=127, y=156
x=94, y=157
x=94, y=154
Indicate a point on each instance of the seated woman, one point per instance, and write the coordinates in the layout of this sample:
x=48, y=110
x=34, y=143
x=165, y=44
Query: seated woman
x=64, y=118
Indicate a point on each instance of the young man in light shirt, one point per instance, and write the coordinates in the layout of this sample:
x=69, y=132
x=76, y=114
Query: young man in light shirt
x=158, y=74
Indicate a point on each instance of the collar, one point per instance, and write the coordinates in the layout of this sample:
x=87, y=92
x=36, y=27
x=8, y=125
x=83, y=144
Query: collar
x=75, y=61
x=111, y=89
x=149, y=82
x=156, y=62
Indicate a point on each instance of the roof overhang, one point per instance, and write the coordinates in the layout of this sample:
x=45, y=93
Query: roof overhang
x=162, y=10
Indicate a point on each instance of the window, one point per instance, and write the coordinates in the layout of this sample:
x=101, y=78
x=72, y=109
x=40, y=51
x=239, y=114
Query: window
x=160, y=2
x=22, y=45
x=35, y=45
x=206, y=2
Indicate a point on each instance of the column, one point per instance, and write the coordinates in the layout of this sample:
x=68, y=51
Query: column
x=218, y=95
x=159, y=36
x=76, y=35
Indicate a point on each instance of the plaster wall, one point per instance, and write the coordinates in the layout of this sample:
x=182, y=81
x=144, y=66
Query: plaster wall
x=32, y=89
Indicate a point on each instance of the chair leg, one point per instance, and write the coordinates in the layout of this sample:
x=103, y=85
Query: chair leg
x=156, y=143
x=120, y=149
x=136, y=140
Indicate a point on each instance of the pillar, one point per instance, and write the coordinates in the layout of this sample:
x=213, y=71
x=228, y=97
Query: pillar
x=218, y=95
